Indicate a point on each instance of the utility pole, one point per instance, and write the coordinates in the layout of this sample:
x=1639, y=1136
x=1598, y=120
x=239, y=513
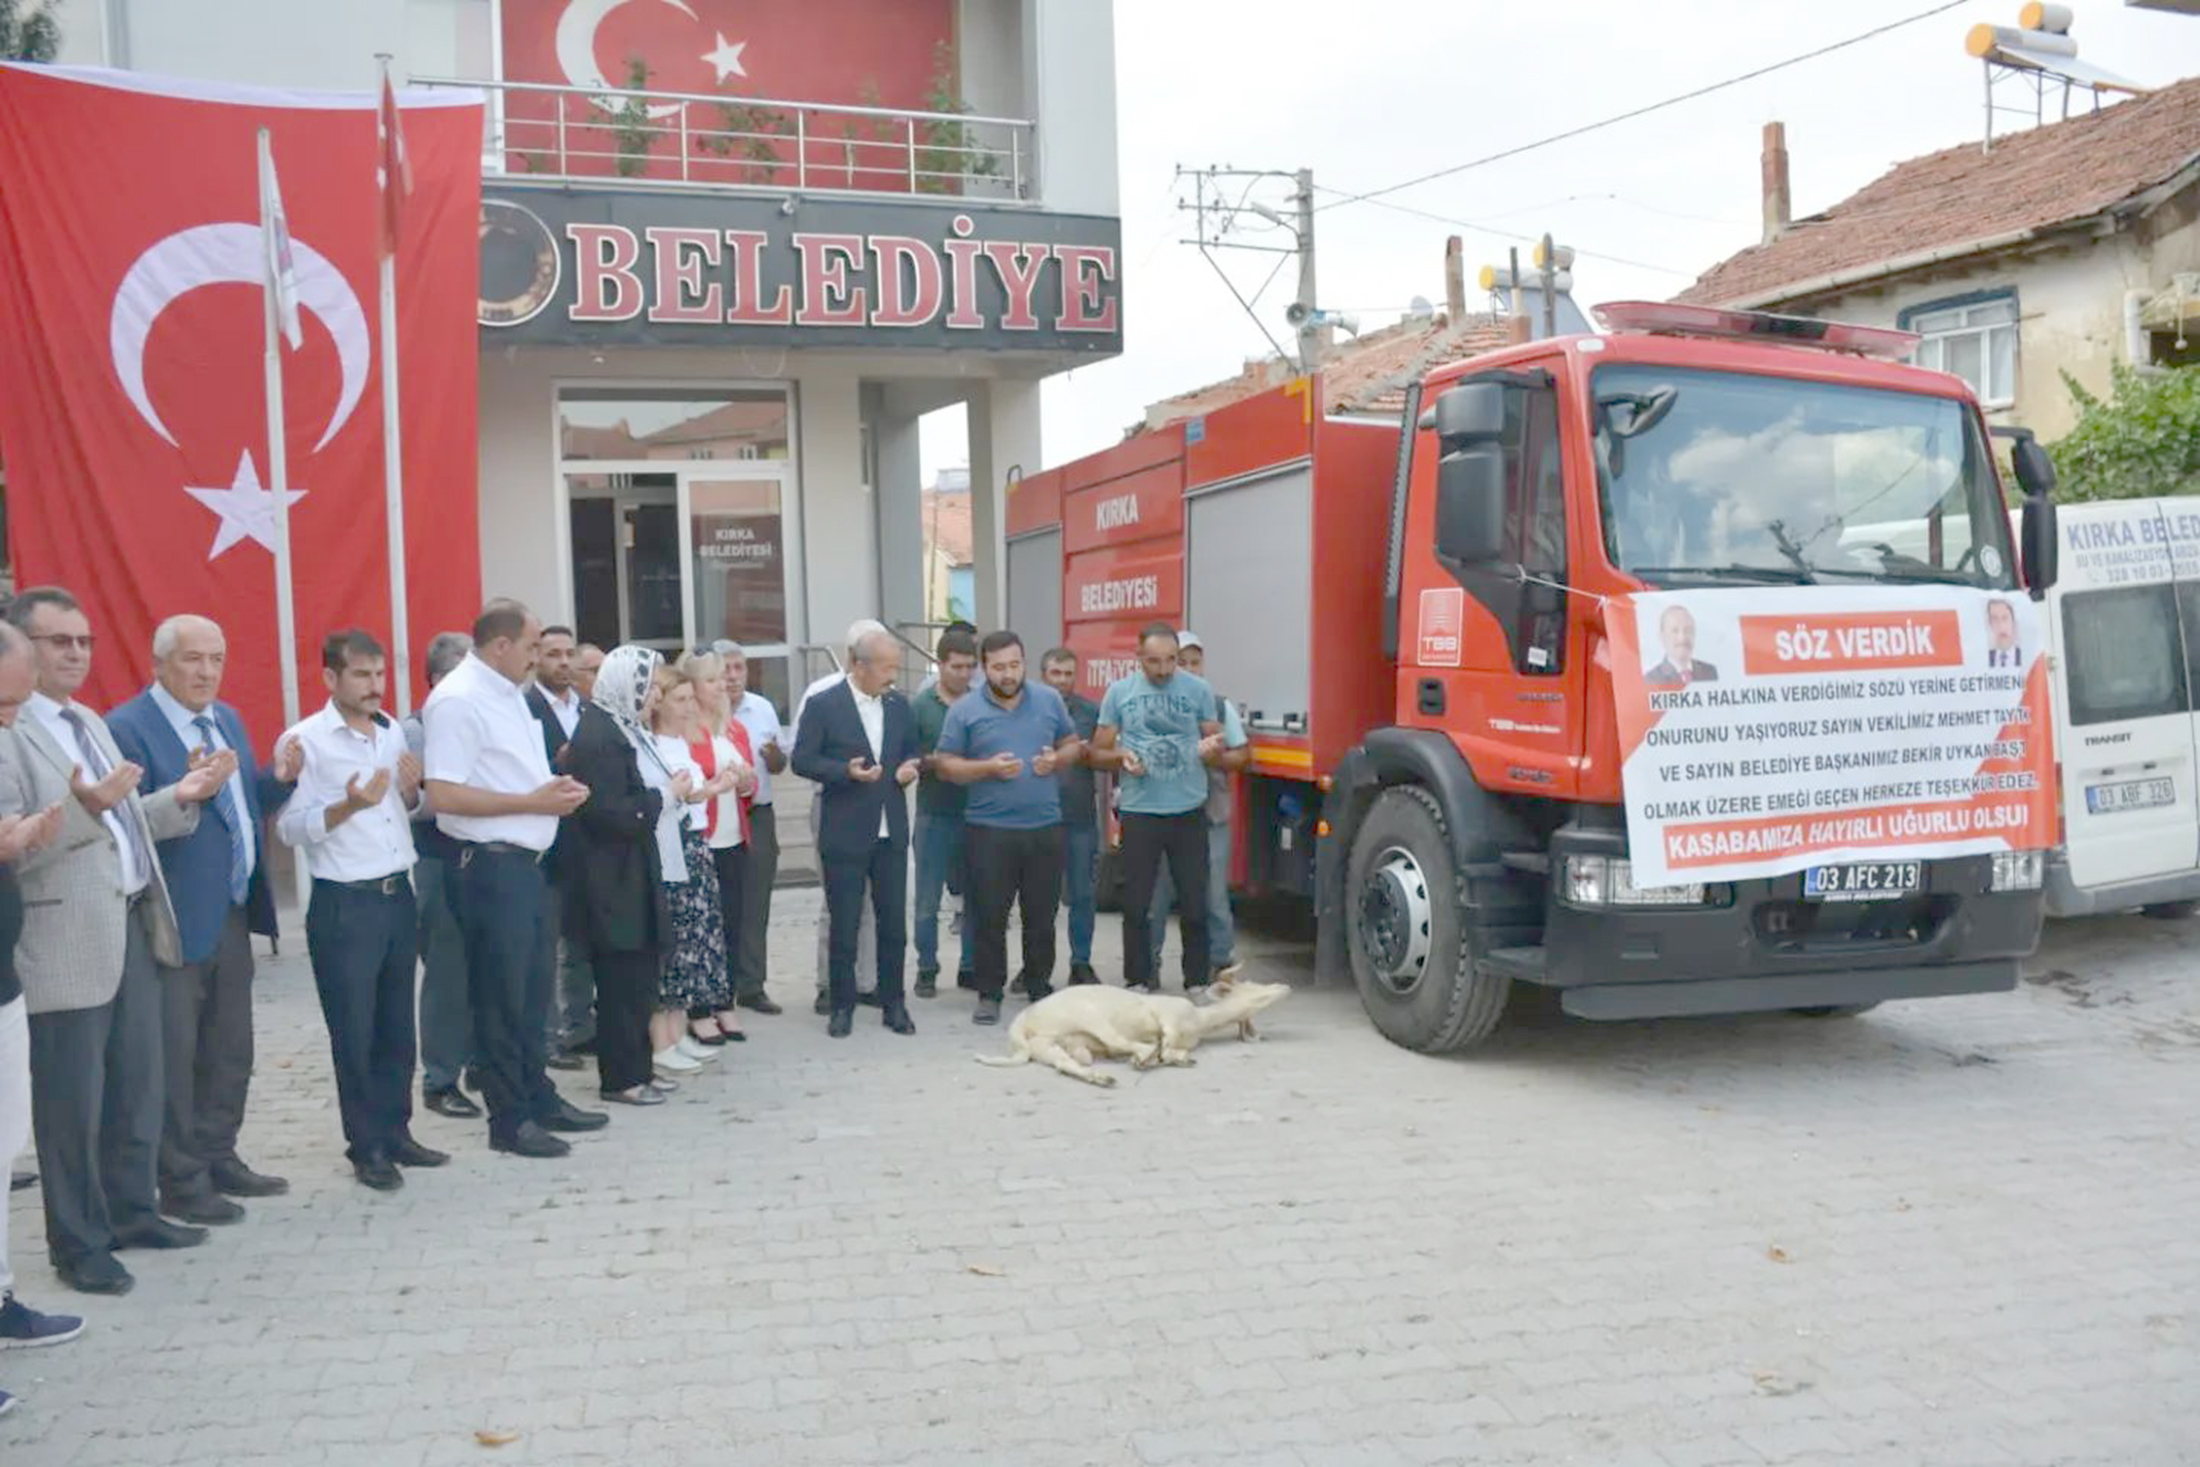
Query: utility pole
x=1310, y=331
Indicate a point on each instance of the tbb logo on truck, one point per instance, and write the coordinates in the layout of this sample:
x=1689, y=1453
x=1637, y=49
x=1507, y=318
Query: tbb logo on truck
x=1443, y=610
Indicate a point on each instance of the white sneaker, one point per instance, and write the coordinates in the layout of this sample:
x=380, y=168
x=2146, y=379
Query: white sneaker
x=695, y=1049
x=671, y=1061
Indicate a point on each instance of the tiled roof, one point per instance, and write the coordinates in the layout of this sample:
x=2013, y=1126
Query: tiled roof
x=1364, y=375
x=1966, y=196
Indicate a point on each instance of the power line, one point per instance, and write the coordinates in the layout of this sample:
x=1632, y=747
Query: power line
x=1491, y=229
x=1645, y=111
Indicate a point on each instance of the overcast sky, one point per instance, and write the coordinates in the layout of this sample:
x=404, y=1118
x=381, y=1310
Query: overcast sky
x=1371, y=93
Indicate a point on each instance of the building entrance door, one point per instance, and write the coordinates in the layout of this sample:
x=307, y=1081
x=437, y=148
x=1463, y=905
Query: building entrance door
x=626, y=559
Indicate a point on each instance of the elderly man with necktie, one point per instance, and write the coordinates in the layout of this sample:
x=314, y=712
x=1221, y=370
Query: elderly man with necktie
x=97, y=918
x=217, y=879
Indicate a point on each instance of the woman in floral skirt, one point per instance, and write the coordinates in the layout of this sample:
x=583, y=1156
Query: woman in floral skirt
x=695, y=962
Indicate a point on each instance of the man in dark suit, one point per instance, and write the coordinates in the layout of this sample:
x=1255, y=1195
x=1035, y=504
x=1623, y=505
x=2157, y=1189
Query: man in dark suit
x=858, y=742
x=1677, y=630
x=555, y=698
x=217, y=878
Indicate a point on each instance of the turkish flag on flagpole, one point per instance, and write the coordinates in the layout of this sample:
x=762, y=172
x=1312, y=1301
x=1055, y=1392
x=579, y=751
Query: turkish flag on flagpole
x=131, y=317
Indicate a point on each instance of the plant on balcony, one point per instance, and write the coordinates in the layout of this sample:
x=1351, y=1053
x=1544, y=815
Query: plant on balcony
x=951, y=152
x=753, y=133
x=631, y=129
x=2142, y=441
x=28, y=36
x=859, y=131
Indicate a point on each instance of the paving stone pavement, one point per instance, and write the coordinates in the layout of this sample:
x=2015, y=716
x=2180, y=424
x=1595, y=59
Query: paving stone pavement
x=1952, y=1232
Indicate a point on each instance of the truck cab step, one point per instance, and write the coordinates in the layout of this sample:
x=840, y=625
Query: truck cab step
x=1520, y=964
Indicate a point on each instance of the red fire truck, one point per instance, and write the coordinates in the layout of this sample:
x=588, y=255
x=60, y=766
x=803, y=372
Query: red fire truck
x=1409, y=611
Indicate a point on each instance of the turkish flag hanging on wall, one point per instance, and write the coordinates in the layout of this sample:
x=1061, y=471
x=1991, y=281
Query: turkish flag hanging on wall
x=133, y=411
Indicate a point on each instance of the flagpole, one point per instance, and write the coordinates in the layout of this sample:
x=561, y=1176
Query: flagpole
x=393, y=467
x=278, y=473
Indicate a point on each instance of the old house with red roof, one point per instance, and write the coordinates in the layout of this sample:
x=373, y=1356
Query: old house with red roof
x=2068, y=248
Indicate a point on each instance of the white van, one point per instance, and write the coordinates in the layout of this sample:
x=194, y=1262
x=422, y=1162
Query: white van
x=2124, y=634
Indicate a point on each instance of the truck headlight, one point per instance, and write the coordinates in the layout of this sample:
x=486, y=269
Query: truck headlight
x=1603, y=881
x=2017, y=870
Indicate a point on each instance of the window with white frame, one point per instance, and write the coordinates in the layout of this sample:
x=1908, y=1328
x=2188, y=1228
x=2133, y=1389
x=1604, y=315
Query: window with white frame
x=1975, y=340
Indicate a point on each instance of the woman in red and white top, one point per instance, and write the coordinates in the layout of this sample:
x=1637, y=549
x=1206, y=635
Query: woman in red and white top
x=727, y=819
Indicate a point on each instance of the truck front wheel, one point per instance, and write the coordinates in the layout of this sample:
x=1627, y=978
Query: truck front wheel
x=1412, y=937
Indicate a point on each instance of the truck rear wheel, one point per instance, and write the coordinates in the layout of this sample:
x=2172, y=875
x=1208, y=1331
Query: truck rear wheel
x=1412, y=937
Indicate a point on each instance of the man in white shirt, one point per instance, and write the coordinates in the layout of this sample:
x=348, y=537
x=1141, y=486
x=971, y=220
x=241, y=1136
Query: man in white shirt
x=349, y=814
x=867, y=936
x=494, y=794
x=769, y=743
x=446, y=1028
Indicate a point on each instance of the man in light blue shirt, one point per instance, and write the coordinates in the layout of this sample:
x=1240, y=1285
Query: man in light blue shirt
x=1222, y=962
x=1159, y=732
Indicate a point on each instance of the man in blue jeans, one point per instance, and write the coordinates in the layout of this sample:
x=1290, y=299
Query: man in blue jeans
x=446, y=1022
x=1080, y=815
x=938, y=835
x=1191, y=655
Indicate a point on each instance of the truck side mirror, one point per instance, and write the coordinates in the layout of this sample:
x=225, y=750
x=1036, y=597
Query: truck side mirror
x=1470, y=505
x=2037, y=539
x=1470, y=476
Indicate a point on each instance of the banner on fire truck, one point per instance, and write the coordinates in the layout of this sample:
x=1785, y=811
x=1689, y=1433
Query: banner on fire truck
x=1846, y=732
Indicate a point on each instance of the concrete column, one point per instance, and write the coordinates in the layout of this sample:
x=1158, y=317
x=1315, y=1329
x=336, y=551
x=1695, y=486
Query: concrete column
x=899, y=498
x=1004, y=439
x=839, y=521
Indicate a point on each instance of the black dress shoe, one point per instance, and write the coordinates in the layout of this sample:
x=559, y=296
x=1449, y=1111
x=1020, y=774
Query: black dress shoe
x=452, y=1103
x=824, y=1004
x=158, y=1233
x=761, y=1002
x=928, y=983
x=967, y=980
x=563, y=1061
x=570, y=1117
x=232, y=1178
x=95, y=1273
x=868, y=1000
x=1081, y=974
x=376, y=1170
x=408, y=1152
x=898, y=1020
x=842, y=1023
x=531, y=1140
x=1037, y=992
x=1017, y=985
x=212, y=1209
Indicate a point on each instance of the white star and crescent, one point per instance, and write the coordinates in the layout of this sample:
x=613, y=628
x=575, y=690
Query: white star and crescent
x=247, y=510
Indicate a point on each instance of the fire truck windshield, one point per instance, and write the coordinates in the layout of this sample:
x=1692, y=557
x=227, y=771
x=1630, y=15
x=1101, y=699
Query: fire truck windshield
x=1731, y=477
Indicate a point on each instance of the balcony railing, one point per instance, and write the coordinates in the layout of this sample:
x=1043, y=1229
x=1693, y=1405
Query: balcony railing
x=692, y=140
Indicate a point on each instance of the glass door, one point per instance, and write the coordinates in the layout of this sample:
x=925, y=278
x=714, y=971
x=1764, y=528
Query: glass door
x=626, y=559
x=736, y=550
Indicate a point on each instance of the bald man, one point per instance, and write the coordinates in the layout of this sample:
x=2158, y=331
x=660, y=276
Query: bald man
x=217, y=878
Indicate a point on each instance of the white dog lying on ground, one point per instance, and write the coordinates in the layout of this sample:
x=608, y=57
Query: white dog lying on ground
x=1072, y=1026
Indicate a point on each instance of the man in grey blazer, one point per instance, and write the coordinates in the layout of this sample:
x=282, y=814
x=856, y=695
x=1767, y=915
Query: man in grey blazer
x=96, y=918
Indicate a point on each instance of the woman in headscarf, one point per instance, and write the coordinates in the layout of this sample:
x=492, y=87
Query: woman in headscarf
x=615, y=906
x=717, y=741
x=695, y=962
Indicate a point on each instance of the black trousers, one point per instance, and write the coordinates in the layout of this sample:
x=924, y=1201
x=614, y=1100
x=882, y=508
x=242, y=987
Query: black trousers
x=96, y=1103
x=733, y=866
x=206, y=1024
x=882, y=871
x=756, y=899
x=364, y=945
x=511, y=963
x=1006, y=868
x=1148, y=840
x=626, y=995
